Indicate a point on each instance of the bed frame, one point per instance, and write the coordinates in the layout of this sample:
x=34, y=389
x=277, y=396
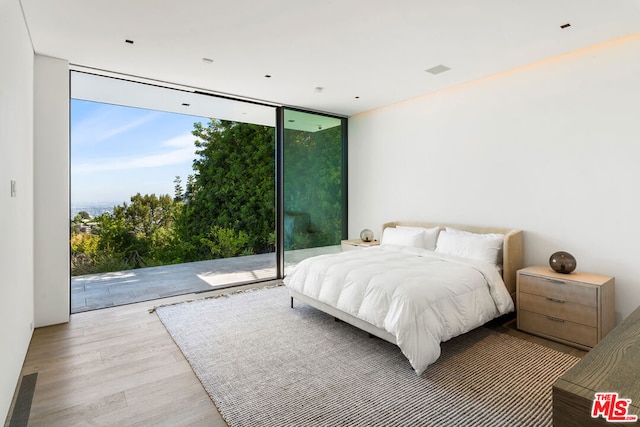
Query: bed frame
x=512, y=261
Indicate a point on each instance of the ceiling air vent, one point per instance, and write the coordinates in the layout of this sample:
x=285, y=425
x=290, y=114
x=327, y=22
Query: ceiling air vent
x=438, y=69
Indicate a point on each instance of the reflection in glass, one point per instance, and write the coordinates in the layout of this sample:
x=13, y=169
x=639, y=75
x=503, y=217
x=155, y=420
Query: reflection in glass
x=314, y=184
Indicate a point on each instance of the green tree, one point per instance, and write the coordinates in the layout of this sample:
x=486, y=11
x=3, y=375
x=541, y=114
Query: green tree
x=231, y=195
x=146, y=214
x=178, y=194
x=190, y=188
x=83, y=215
x=139, y=232
x=226, y=242
x=80, y=219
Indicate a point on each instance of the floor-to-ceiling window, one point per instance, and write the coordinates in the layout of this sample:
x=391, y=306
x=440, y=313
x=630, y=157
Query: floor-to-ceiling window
x=175, y=191
x=314, y=184
x=172, y=192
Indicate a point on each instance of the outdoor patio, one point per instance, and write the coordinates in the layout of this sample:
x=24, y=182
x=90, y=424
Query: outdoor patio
x=95, y=291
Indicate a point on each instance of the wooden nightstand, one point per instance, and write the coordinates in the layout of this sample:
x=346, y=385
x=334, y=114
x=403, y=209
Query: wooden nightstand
x=577, y=309
x=353, y=244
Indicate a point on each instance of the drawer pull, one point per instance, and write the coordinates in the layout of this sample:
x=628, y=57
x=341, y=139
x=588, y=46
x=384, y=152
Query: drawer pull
x=561, y=301
x=555, y=319
x=556, y=281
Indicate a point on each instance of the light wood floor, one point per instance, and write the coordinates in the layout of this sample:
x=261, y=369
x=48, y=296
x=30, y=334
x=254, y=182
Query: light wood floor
x=119, y=367
x=115, y=367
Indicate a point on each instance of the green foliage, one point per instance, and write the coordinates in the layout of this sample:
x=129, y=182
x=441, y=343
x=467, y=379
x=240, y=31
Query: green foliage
x=226, y=242
x=114, y=234
x=178, y=195
x=313, y=184
x=146, y=214
x=135, y=235
x=84, y=243
x=84, y=250
x=82, y=216
x=87, y=257
x=226, y=208
x=233, y=187
x=190, y=189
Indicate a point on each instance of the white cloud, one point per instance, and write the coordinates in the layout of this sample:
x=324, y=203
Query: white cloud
x=100, y=126
x=108, y=133
x=182, y=150
x=183, y=141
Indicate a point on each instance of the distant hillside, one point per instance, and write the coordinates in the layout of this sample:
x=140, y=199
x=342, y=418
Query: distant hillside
x=93, y=208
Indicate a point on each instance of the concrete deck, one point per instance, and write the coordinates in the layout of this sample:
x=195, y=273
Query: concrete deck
x=95, y=291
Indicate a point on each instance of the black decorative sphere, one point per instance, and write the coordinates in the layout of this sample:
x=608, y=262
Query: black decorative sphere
x=562, y=262
x=366, y=235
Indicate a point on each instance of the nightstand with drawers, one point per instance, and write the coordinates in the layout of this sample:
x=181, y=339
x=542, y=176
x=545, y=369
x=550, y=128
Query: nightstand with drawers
x=353, y=244
x=577, y=309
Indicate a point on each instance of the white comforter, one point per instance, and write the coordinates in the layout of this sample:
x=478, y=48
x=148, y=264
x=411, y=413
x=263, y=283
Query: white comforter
x=420, y=297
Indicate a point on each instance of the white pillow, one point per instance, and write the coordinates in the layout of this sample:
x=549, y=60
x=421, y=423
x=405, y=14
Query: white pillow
x=430, y=235
x=481, y=247
x=396, y=236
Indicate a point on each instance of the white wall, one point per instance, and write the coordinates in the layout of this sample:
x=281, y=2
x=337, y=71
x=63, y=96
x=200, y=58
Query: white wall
x=552, y=149
x=51, y=186
x=16, y=213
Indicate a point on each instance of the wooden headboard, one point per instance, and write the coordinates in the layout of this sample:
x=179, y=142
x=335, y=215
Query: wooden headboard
x=512, y=250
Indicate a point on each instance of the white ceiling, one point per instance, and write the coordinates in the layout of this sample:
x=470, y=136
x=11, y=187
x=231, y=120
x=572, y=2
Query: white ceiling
x=372, y=49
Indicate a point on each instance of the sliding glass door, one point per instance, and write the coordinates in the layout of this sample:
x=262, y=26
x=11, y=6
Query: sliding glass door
x=314, y=184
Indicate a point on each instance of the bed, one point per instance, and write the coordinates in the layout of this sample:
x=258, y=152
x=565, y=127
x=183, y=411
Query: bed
x=425, y=284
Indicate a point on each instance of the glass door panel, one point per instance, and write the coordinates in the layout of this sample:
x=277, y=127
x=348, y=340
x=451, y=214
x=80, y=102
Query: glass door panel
x=315, y=208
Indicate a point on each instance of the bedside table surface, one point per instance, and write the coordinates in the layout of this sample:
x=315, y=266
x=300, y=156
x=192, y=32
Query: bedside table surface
x=576, y=276
x=360, y=242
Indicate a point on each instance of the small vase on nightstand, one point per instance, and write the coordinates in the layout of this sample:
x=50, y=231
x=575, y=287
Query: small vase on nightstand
x=562, y=262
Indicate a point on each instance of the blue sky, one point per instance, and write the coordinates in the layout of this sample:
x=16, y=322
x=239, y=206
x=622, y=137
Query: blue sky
x=119, y=151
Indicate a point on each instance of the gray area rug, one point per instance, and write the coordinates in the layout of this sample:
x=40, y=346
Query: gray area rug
x=265, y=364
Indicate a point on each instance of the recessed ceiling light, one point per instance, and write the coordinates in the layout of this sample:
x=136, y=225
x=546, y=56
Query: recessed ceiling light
x=438, y=69
x=563, y=26
x=207, y=60
x=129, y=41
